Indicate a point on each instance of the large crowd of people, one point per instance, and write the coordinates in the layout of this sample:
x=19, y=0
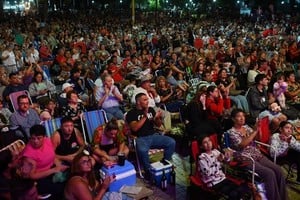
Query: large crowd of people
x=204, y=68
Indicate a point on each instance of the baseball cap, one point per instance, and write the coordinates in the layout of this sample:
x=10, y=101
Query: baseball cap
x=65, y=85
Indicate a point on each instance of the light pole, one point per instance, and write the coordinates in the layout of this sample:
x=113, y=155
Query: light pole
x=133, y=12
x=121, y=1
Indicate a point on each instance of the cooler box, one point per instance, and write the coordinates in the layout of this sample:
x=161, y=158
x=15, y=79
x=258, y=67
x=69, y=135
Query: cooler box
x=125, y=175
x=157, y=169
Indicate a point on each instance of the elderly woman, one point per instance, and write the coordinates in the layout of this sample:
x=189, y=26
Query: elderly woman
x=242, y=139
x=74, y=108
x=109, y=98
x=39, y=152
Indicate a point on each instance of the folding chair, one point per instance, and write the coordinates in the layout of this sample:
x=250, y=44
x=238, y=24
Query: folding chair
x=16, y=146
x=154, y=154
x=264, y=137
x=14, y=98
x=235, y=165
x=195, y=177
x=52, y=125
x=90, y=121
x=264, y=145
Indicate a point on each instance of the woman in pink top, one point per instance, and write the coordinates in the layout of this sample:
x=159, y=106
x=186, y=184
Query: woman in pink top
x=39, y=152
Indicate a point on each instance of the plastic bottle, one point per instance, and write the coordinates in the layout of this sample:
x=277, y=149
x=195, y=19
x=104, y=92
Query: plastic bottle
x=173, y=176
x=163, y=182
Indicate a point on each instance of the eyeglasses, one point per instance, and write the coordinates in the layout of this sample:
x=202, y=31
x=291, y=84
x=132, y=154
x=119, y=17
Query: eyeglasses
x=23, y=103
x=84, y=162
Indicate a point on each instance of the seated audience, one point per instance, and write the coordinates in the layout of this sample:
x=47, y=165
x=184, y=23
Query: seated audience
x=5, y=112
x=217, y=104
x=83, y=183
x=74, y=108
x=39, y=152
x=109, y=98
x=257, y=96
x=279, y=89
x=39, y=88
x=229, y=83
x=293, y=91
x=49, y=110
x=242, y=138
x=25, y=117
x=109, y=142
x=274, y=114
x=196, y=116
x=62, y=97
x=285, y=147
x=67, y=141
x=210, y=168
x=142, y=120
x=14, y=86
x=168, y=95
x=153, y=99
x=79, y=83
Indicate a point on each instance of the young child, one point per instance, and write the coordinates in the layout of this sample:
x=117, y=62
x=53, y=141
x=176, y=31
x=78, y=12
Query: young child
x=285, y=146
x=279, y=88
x=212, y=174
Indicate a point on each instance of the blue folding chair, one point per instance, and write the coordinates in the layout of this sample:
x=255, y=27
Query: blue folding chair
x=90, y=121
x=52, y=125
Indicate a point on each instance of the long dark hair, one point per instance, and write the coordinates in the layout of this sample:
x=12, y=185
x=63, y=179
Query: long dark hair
x=200, y=91
x=75, y=168
x=36, y=74
x=112, y=125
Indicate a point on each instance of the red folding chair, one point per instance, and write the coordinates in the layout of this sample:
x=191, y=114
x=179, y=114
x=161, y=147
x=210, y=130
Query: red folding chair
x=264, y=137
x=195, y=178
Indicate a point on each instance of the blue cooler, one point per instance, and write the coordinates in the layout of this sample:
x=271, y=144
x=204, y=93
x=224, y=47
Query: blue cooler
x=157, y=169
x=125, y=175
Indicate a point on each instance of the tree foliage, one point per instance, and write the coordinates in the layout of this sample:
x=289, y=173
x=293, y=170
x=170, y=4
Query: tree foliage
x=154, y=4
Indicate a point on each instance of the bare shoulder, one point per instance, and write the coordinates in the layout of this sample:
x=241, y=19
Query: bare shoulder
x=75, y=183
x=76, y=179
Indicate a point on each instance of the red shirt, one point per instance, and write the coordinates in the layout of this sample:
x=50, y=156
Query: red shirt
x=215, y=108
x=115, y=73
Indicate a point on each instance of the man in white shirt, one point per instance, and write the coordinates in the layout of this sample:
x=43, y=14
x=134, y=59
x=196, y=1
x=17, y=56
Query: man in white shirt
x=9, y=59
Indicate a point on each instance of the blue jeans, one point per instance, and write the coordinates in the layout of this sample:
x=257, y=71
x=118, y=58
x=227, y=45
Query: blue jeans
x=241, y=102
x=115, y=112
x=174, y=106
x=155, y=141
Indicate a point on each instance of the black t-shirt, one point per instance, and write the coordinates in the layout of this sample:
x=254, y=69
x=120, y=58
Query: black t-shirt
x=67, y=147
x=148, y=126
